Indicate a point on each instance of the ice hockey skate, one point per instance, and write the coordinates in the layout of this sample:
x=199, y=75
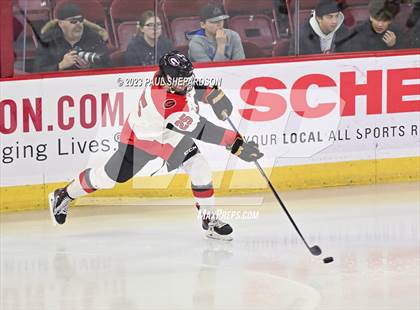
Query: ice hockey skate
x=59, y=202
x=216, y=229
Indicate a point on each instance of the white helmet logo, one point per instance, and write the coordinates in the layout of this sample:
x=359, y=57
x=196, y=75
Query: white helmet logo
x=174, y=62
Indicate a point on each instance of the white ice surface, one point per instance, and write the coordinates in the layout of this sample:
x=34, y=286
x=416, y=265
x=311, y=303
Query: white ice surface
x=151, y=254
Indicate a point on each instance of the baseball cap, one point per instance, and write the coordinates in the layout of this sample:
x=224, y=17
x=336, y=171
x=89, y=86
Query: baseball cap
x=213, y=13
x=68, y=10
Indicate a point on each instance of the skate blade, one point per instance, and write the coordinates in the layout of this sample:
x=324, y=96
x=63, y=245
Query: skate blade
x=51, y=207
x=216, y=236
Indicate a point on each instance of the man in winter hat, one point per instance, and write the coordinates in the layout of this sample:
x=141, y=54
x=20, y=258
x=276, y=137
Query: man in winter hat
x=71, y=42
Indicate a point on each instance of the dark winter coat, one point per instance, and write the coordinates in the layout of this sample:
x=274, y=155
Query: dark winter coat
x=140, y=53
x=415, y=36
x=309, y=41
x=53, y=46
x=364, y=38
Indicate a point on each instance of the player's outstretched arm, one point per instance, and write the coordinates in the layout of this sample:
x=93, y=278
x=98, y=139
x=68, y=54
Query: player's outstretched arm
x=206, y=131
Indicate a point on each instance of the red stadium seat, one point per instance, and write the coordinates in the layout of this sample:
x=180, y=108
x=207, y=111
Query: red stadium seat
x=251, y=8
x=177, y=8
x=307, y=4
x=357, y=2
x=126, y=31
x=252, y=50
x=255, y=22
x=36, y=10
x=359, y=13
x=257, y=29
x=304, y=15
x=117, y=58
x=129, y=10
x=180, y=27
x=28, y=30
x=106, y=3
x=25, y=46
x=281, y=48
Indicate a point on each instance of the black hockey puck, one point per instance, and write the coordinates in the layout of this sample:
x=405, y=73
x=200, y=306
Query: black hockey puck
x=328, y=260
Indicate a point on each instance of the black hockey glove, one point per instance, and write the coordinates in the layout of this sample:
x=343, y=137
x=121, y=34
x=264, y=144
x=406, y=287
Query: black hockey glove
x=247, y=151
x=220, y=104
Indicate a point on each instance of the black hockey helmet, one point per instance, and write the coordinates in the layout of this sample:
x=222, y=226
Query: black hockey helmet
x=177, y=71
x=175, y=64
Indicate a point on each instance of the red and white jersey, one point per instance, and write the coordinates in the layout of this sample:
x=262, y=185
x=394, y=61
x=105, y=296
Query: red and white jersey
x=146, y=126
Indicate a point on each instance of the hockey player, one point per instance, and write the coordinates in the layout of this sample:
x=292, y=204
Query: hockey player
x=164, y=124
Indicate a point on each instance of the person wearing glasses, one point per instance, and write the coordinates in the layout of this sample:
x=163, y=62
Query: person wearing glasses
x=212, y=42
x=141, y=49
x=71, y=42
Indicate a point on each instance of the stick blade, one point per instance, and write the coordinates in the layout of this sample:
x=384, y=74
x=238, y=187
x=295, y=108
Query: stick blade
x=315, y=250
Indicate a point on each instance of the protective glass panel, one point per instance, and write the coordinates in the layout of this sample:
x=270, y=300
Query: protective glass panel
x=330, y=26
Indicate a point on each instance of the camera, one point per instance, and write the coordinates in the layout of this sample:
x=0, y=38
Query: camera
x=90, y=57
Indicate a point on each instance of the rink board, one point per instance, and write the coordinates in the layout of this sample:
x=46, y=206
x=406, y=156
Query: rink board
x=320, y=122
x=244, y=181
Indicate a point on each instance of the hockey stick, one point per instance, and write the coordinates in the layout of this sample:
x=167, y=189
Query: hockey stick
x=315, y=250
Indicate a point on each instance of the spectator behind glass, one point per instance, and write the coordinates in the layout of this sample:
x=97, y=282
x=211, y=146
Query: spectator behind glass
x=377, y=33
x=414, y=24
x=414, y=15
x=415, y=36
x=141, y=49
x=212, y=42
x=324, y=32
x=63, y=38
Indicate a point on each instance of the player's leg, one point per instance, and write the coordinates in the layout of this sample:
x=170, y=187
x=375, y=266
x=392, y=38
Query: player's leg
x=202, y=188
x=187, y=156
x=121, y=167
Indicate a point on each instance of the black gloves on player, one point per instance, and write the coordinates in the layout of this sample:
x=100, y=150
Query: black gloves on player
x=220, y=104
x=247, y=151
